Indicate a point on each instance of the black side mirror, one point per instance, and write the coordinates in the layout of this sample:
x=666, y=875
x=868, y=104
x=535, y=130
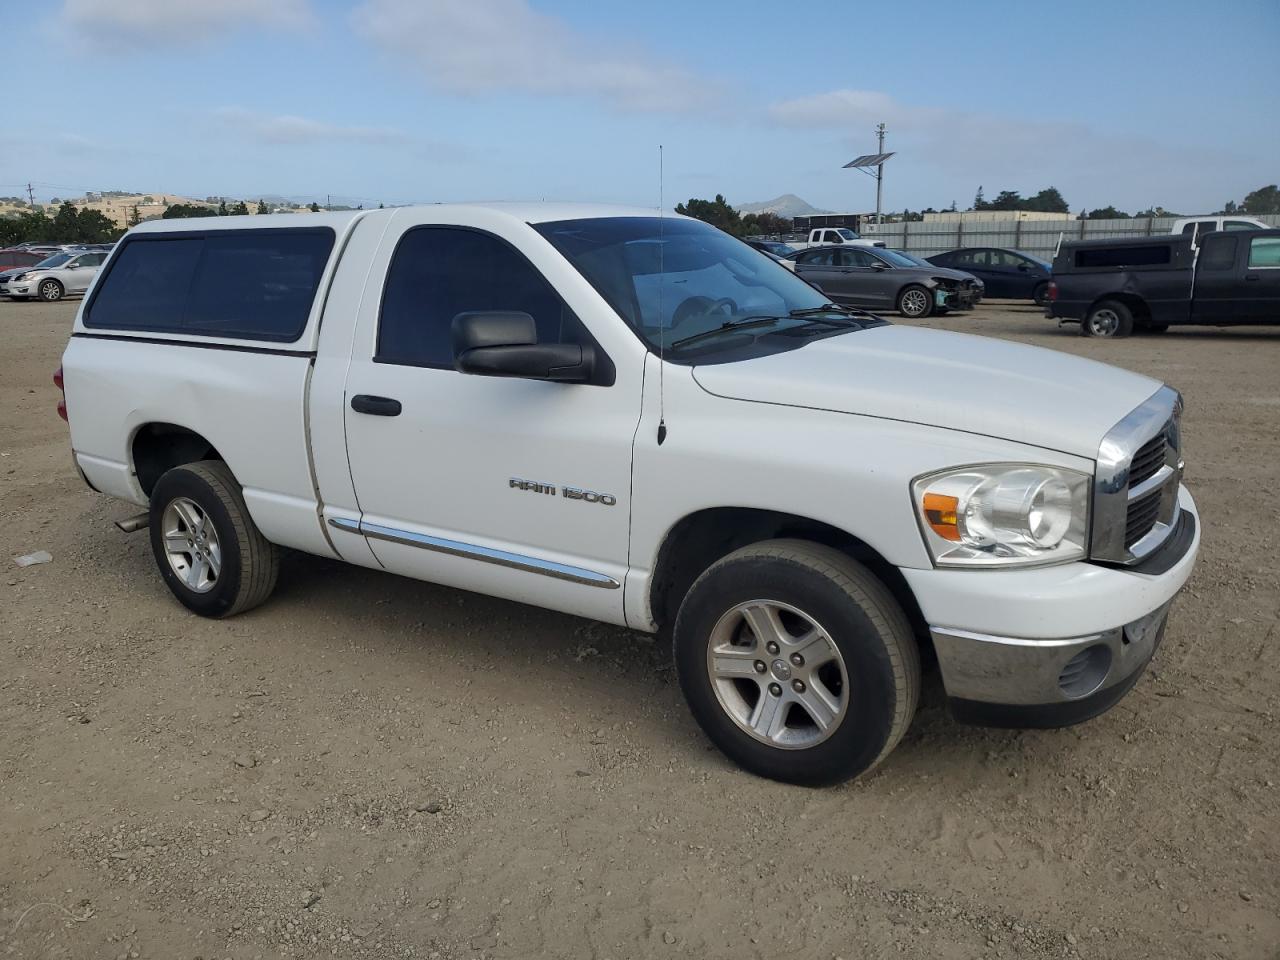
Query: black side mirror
x=505, y=344
x=1023, y=267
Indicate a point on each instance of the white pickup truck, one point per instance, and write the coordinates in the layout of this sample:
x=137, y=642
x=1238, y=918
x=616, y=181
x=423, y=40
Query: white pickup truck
x=641, y=420
x=825, y=236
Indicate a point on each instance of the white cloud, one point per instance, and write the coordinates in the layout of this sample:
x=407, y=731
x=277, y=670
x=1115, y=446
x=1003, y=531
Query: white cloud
x=479, y=47
x=87, y=19
x=287, y=129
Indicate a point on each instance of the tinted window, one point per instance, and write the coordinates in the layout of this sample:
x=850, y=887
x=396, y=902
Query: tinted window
x=855, y=257
x=1218, y=253
x=1188, y=228
x=818, y=258
x=146, y=287
x=440, y=272
x=244, y=284
x=1135, y=256
x=1239, y=225
x=1264, y=252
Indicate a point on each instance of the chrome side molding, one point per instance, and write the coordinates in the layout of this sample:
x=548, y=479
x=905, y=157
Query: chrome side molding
x=470, y=551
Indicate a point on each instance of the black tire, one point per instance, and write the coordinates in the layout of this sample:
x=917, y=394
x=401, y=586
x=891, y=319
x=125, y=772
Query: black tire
x=249, y=562
x=51, y=291
x=1040, y=294
x=1110, y=318
x=910, y=295
x=861, y=617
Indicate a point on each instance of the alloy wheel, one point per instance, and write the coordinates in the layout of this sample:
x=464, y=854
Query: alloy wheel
x=191, y=545
x=778, y=674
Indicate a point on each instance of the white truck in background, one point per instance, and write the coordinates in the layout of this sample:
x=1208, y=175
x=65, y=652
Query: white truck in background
x=640, y=420
x=825, y=236
x=1196, y=227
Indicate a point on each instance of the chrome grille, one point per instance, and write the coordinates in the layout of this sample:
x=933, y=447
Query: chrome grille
x=1147, y=460
x=1135, y=496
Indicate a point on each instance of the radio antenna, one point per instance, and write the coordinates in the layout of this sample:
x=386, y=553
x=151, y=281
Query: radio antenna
x=662, y=319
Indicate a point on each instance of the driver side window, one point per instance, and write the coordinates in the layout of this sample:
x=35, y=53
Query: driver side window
x=438, y=272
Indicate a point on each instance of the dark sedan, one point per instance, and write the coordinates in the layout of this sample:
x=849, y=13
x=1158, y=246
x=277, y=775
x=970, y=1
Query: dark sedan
x=880, y=279
x=775, y=247
x=1008, y=274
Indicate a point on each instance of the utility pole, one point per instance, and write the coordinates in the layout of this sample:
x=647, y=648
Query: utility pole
x=31, y=195
x=326, y=201
x=879, y=169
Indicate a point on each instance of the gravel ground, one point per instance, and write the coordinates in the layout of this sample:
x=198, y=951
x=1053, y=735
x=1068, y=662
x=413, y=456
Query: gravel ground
x=372, y=767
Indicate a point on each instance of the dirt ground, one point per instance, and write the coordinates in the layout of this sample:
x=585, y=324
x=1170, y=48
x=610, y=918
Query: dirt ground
x=369, y=766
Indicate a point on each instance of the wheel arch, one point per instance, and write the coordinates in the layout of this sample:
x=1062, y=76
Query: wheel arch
x=696, y=541
x=1137, y=306
x=156, y=447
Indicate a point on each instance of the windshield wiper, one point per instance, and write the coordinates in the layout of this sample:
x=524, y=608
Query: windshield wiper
x=847, y=312
x=729, y=326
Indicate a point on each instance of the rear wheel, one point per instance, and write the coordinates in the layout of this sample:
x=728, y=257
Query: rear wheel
x=210, y=553
x=1040, y=294
x=1110, y=318
x=915, y=301
x=797, y=662
x=51, y=291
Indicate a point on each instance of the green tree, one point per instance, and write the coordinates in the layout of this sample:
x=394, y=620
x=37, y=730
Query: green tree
x=263, y=209
x=1006, y=200
x=222, y=208
x=764, y=223
x=94, y=227
x=1262, y=200
x=66, y=224
x=135, y=218
x=1106, y=213
x=979, y=201
x=1048, y=200
x=314, y=207
x=181, y=211
x=240, y=210
x=716, y=212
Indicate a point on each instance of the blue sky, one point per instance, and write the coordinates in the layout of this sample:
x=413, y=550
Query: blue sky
x=1170, y=103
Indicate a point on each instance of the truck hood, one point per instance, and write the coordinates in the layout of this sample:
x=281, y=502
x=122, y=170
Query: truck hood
x=951, y=380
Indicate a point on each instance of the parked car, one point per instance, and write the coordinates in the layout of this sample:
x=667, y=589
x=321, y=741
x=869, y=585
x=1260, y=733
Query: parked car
x=885, y=280
x=835, y=236
x=775, y=247
x=624, y=417
x=1196, y=227
x=979, y=286
x=1112, y=287
x=1006, y=274
x=63, y=274
x=15, y=259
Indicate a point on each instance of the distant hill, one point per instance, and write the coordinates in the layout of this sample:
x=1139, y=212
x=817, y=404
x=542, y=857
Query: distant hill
x=788, y=205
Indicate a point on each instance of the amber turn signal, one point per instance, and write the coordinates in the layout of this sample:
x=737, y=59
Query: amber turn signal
x=940, y=514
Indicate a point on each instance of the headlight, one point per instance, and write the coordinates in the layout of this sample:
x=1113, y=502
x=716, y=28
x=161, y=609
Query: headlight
x=1003, y=514
x=21, y=276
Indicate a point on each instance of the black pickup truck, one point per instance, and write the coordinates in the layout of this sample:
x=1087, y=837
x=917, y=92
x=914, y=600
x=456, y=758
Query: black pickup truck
x=1112, y=287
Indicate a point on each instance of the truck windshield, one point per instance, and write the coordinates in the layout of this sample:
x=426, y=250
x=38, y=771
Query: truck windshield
x=678, y=281
x=849, y=234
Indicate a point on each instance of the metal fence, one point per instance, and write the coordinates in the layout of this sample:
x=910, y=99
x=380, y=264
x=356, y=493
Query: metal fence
x=1039, y=237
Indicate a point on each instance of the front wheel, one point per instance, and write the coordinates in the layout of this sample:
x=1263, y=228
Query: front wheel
x=797, y=662
x=51, y=291
x=915, y=302
x=210, y=552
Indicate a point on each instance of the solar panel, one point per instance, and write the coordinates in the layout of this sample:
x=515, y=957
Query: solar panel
x=868, y=160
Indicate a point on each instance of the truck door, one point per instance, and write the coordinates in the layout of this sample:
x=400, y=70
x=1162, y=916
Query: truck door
x=1259, y=294
x=1218, y=286
x=517, y=488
